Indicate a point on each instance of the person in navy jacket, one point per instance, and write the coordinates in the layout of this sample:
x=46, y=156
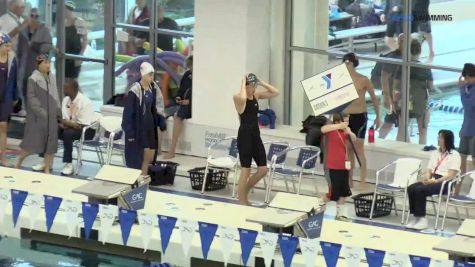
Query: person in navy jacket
x=140, y=120
x=8, y=89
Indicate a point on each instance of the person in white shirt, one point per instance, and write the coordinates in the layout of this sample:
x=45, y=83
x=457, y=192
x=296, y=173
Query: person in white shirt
x=444, y=165
x=12, y=22
x=77, y=111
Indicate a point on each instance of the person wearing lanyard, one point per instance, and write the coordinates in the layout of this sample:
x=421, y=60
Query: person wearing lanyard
x=444, y=164
x=336, y=161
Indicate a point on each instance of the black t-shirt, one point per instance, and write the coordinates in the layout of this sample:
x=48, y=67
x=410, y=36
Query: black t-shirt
x=420, y=8
x=185, y=86
x=392, y=68
x=164, y=41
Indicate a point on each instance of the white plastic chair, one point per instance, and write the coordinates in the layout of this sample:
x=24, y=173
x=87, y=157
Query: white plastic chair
x=229, y=161
x=113, y=126
x=465, y=199
x=82, y=141
x=406, y=171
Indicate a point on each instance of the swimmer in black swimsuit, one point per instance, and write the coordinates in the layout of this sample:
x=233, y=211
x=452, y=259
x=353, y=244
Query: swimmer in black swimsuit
x=249, y=141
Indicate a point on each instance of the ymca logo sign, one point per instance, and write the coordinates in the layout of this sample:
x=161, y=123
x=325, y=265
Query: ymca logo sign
x=328, y=80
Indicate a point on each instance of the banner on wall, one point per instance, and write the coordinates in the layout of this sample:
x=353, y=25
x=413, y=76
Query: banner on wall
x=34, y=202
x=107, y=215
x=5, y=195
x=227, y=236
x=72, y=209
x=330, y=91
x=18, y=199
x=146, y=222
x=52, y=205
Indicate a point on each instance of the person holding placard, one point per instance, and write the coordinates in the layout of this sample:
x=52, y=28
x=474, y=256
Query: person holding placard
x=358, y=113
x=249, y=141
x=337, y=135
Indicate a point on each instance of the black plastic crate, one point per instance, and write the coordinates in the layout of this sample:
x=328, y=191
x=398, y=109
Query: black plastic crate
x=382, y=206
x=217, y=178
x=163, y=172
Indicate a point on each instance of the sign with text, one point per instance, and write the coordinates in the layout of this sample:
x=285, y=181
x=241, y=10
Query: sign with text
x=330, y=91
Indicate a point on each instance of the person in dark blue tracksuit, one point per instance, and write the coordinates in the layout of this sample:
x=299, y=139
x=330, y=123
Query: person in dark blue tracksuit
x=467, y=132
x=141, y=119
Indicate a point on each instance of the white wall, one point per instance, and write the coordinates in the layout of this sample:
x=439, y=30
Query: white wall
x=232, y=38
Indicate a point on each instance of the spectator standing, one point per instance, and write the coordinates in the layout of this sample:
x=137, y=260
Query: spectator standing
x=43, y=113
x=467, y=132
x=140, y=16
x=35, y=40
x=12, y=22
x=8, y=90
x=392, y=16
x=421, y=22
x=76, y=40
x=165, y=41
x=183, y=100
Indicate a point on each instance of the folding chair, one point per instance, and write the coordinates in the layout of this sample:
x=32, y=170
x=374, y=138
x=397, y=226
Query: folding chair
x=228, y=161
x=274, y=147
x=406, y=171
x=465, y=199
x=108, y=128
x=306, y=161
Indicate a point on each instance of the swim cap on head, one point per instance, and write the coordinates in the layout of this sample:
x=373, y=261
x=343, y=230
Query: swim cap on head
x=4, y=38
x=251, y=79
x=468, y=70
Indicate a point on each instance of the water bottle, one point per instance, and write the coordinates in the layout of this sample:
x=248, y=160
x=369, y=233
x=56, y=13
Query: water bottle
x=93, y=44
x=371, y=135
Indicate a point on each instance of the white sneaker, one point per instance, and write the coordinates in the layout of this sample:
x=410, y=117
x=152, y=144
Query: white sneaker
x=68, y=169
x=38, y=167
x=421, y=224
x=22, y=113
x=411, y=223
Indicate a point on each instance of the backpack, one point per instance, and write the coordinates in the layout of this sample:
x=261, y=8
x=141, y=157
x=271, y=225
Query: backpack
x=312, y=127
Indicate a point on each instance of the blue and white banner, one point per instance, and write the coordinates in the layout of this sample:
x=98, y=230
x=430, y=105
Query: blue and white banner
x=352, y=255
x=207, y=233
x=268, y=242
x=71, y=215
x=18, y=199
x=147, y=225
x=187, y=232
x=135, y=198
x=227, y=238
x=312, y=226
x=126, y=219
x=331, y=252
x=5, y=195
x=375, y=258
x=33, y=203
x=107, y=216
x=288, y=246
x=418, y=261
x=310, y=249
x=52, y=205
x=247, y=239
x=166, y=226
x=398, y=260
x=89, y=214
x=442, y=263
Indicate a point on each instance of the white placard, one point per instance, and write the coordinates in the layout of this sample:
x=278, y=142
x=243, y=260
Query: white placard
x=71, y=213
x=398, y=259
x=352, y=255
x=268, y=242
x=187, y=232
x=147, y=225
x=227, y=237
x=5, y=196
x=34, y=202
x=330, y=89
x=310, y=248
x=107, y=215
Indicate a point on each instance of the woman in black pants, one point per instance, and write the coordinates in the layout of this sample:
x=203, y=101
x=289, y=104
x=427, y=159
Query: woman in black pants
x=249, y=141
x=443, y=166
